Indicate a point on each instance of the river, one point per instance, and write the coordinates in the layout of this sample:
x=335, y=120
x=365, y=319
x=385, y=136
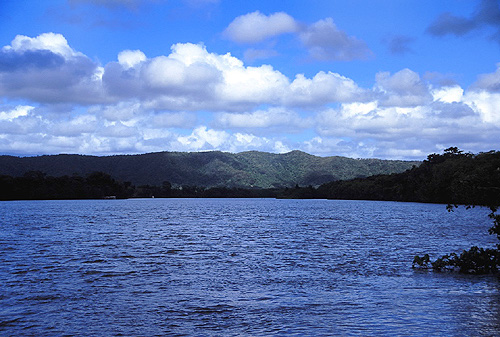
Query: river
x=239, y=267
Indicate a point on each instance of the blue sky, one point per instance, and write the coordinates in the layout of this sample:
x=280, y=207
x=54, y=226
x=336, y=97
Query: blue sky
x=392, y=79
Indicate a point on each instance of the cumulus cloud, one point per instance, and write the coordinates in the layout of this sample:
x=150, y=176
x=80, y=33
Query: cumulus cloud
x=256, y=27
x=380, y=130
x=486, y=104
x=322, y=89
x=130, y=58
x=191, y=78
x=404, y=89
x=20, y=120
x=326, y=42
x=409, y=118
x=205, y=139
x=47, y=69
x=55, y=43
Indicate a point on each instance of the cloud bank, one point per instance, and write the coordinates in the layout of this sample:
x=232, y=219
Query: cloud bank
x=58, y=100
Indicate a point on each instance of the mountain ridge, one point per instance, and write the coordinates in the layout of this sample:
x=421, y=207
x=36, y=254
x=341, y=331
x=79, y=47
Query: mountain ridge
x=249, y=169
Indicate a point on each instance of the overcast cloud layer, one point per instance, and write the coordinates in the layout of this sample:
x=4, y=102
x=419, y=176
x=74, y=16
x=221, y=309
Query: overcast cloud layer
x=56, y=99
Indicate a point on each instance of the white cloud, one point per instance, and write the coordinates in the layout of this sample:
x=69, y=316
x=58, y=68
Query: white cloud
x=204, y=139
x=327, y=145
x=18, y=111
x=486, y=104
x=404, y=88
x=189, y=78
x=448, y=94
x=55, y=43
x=163, y=72
x=277, y=117
x=47, y=69
x=280, y=147
x=131, y=58
x=84, y=124
x=255, y=85
x=451, y=118
x=123, y=111
x=322, y=89
x=117, y=130
x=24, y=126
x=256, y=27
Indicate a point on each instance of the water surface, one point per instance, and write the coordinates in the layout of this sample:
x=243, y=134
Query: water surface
x=239, y=267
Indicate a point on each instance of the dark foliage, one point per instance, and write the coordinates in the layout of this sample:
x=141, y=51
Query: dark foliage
x=35, y=185
x=473, y=261
x=450, y=178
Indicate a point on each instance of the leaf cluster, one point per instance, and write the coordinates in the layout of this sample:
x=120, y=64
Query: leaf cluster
x=476, y=261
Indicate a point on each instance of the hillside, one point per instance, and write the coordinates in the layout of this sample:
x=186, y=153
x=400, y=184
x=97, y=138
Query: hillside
x=450, y=178
x=208, y=169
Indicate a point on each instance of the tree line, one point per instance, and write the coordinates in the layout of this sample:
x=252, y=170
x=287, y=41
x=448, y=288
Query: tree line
x=36, y=185
x=453, y=177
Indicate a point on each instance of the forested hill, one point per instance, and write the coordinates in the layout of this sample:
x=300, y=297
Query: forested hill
x=451, y=178
x=208, y=169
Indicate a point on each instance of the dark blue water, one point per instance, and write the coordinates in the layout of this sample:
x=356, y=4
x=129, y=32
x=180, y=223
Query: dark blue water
x=239, y=267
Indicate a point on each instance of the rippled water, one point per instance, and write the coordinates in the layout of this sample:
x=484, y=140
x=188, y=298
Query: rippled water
x=239, y=267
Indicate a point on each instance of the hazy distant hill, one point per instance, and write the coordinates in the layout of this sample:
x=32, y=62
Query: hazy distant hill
x=209, y=169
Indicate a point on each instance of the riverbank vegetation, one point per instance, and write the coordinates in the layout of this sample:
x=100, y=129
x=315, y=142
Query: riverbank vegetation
x=36, y=185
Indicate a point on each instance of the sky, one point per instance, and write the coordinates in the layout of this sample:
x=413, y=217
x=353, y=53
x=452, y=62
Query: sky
x=389, y=79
